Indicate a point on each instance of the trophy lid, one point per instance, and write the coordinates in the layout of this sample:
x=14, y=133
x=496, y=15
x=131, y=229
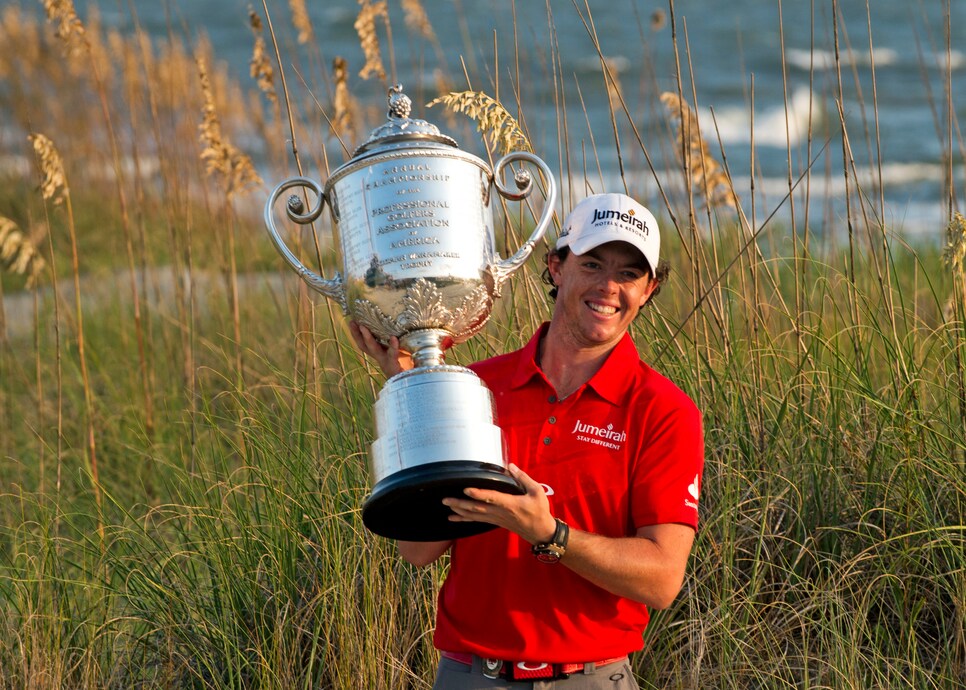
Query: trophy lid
x=400, y=129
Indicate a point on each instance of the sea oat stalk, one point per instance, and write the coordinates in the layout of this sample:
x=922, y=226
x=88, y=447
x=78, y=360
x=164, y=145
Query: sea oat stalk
x=238, y=174
x=54, y=188
x=954, y=256
x=706, y=174
x=492, y=119
x=221, y=157
x=345, y=106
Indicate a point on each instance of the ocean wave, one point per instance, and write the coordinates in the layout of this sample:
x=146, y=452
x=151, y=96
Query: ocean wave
x=906, y=211
x=893, y=176
x=734, y=122
x=591, y=63
x=824, y=60
x=954, y=61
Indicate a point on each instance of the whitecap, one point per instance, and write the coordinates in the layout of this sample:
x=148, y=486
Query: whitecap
x=808, y=59
x=734, y=122
x=821, y=60
x=591, y=63
x=955, y=60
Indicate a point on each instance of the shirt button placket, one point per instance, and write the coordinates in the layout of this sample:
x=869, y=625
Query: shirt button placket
x=550, y=420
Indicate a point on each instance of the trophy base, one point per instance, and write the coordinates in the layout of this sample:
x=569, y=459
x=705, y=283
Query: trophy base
x=407, y=505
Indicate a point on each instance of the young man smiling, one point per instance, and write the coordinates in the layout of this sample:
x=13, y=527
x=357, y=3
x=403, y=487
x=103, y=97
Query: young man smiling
x=610, y=454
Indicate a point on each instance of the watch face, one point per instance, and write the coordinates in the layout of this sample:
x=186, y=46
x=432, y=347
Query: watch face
x=548, y=553
x=552, y=551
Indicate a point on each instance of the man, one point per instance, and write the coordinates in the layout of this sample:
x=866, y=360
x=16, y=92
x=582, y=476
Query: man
x=610, y=454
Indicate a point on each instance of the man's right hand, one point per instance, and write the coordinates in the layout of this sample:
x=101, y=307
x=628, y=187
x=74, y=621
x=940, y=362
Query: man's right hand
x=390, y=359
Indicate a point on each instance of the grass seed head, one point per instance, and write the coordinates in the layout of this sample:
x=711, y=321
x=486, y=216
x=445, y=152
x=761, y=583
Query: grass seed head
x=69, y=29
x=614, y=89
x=345, y=106
x=98, y=52
x=220, y=156
x=22, y=45
x=492, y=119
x=417, y=19
x=261, y=66
x=954, y=253
x=301, y=21
x=128, y=55
x=704, y=170
x=54, y=184
x=18, y=254
x=365, y=26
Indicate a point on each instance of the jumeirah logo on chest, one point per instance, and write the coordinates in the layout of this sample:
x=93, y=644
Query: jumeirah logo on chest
x=601, y=436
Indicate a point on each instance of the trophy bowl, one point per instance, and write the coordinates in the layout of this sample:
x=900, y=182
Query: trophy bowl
x=413, y=217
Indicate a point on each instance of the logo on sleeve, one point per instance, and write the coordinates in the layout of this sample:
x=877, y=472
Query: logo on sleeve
x=695, y=492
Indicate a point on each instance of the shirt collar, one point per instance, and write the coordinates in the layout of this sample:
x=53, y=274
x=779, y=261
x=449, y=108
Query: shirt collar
x=527, y=363
x=611, y=380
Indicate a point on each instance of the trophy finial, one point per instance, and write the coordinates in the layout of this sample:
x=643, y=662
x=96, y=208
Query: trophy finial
x=399, y=104
x=401, y=130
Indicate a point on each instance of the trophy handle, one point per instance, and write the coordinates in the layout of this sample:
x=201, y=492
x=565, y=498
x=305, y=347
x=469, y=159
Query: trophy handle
x=333, y=289
x=502, y=270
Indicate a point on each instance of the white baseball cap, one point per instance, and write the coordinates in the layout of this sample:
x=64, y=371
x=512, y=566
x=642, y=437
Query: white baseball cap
x=605, y=218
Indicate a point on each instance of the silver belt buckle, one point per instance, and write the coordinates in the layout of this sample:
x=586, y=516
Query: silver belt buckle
x=492, y=668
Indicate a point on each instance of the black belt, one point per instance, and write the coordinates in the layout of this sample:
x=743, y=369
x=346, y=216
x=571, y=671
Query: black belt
x=529, y=670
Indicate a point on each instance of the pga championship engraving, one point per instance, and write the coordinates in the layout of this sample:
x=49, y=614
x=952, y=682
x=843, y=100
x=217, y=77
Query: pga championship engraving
x=412, y=213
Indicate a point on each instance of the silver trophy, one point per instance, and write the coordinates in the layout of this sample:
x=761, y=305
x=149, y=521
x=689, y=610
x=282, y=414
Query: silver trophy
x=412, y=213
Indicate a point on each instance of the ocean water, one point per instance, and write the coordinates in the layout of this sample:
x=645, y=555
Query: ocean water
x=784, y=51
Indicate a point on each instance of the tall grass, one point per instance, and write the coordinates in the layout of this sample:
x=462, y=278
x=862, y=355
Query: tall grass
x=183, y=457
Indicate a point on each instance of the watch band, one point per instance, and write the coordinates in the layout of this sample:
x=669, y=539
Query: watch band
x=553, y=550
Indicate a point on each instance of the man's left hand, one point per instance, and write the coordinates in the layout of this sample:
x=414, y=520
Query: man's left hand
x=527, y=515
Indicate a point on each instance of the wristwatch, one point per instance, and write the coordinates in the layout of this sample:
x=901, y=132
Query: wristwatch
x=553, y=550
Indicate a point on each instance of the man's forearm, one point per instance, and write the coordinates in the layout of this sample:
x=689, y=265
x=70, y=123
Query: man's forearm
x=422, y=553
x=648, y=568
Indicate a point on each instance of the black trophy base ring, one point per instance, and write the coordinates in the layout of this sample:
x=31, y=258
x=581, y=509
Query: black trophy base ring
x=408, y=504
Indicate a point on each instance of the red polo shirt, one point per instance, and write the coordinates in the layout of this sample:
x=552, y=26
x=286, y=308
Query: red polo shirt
x=624, y=451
